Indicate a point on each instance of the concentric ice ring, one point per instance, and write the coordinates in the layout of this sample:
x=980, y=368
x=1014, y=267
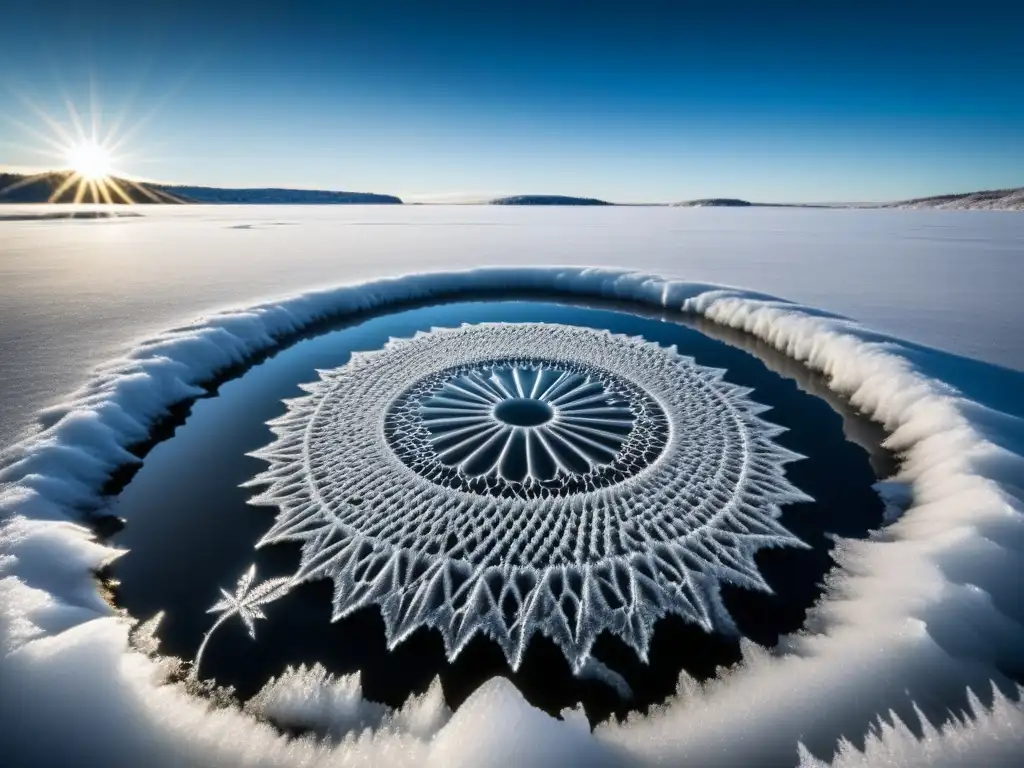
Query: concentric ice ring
x=643, y=482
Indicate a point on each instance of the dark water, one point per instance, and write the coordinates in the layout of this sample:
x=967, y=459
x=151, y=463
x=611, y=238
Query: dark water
x=191, y=532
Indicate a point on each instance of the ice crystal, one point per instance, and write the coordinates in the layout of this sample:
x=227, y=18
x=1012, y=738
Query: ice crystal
x=519, y=478
x=525, y=427
x=244, y=603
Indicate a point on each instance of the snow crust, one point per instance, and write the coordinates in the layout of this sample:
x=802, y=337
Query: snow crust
x=926, y=609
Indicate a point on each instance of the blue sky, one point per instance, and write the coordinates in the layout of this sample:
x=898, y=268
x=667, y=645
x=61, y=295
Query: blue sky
x=633, y=101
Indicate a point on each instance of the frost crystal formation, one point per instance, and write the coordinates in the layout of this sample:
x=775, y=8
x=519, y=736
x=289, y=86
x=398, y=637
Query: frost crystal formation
x=526, y=427
x=520, y=478
x=245, y=604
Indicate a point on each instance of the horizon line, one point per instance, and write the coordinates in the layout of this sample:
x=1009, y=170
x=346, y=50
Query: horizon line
x=476, y=198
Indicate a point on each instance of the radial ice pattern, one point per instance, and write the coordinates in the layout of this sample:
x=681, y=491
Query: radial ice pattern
x=525, y=427
x=519, y=478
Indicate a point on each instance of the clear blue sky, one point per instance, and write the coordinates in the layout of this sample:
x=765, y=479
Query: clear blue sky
x=631, y=101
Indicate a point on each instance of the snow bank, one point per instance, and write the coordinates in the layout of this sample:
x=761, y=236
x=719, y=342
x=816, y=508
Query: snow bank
x=314, y=698
x=913, y=617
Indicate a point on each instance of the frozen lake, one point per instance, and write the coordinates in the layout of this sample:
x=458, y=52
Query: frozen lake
x=213, y=450
x=76, y=293
x=909, y=619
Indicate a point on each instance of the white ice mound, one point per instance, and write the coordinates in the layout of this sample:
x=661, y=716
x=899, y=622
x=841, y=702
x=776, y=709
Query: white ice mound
x=497, y=727
x=510, y=479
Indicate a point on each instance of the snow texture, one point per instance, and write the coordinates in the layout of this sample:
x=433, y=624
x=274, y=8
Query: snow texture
x=334, y=706
x=642, y=482
x=983, y=736
x=924, y=610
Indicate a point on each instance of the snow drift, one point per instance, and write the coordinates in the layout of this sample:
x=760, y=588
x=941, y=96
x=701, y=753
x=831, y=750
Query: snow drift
x=913, y=619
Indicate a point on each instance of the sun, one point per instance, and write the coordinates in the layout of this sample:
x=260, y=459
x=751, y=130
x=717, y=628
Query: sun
x=89, y=160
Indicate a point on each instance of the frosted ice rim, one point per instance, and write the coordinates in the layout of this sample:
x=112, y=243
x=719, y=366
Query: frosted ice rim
x=526, y=427
x=879, y=633
x=689, y=496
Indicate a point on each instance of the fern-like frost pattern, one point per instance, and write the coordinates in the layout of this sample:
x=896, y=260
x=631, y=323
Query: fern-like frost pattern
x=510, y=479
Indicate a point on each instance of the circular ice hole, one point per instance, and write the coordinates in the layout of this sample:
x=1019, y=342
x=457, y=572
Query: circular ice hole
x=523, y=412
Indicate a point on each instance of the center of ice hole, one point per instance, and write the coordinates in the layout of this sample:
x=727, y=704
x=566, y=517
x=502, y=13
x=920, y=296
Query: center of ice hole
x=523, y=412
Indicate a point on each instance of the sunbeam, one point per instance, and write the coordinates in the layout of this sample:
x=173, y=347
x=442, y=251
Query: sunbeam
x=91, y=157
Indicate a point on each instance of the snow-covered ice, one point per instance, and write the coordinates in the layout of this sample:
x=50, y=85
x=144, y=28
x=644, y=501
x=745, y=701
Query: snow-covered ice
x=922, y=619
x=74, y=294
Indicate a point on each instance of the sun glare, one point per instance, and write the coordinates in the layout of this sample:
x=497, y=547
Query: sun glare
x=89, y=160
x=89, y=157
